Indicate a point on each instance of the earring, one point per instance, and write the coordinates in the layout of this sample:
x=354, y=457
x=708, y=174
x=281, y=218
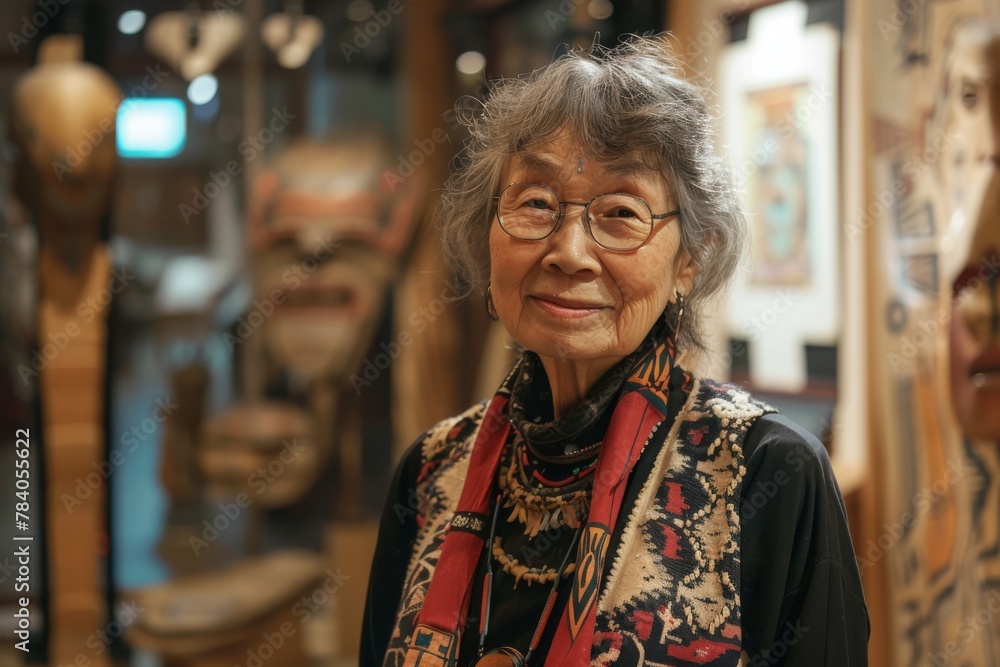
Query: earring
x=491, y=309
x=680, y=312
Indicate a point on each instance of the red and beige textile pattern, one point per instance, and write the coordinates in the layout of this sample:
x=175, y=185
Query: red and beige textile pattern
x=681, y=538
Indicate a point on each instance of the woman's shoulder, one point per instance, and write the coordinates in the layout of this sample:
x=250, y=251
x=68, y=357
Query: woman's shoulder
x=720, y=412
x=787, y=470
x=768, y=437
x=775, y=439
x=448, y=439
x=726, y=401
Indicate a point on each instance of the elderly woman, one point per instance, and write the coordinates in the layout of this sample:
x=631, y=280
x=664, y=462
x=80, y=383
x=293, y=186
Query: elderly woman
x=607, y=505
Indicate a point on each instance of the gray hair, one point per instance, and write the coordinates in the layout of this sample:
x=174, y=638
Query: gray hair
x=630, y=102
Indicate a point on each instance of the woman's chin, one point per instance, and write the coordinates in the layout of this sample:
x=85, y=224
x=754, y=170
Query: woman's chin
x=568, y=347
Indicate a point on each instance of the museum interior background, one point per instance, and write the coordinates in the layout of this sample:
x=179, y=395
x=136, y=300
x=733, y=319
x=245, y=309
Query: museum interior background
x=223, y=296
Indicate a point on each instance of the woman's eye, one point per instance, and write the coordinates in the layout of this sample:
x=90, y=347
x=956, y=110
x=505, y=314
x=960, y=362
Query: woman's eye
x=536, y=203
x=623, y=213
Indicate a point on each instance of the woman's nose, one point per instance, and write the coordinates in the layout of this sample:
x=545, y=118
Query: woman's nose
x=570, y=248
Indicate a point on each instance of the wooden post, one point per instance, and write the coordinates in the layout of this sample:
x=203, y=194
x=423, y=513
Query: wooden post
x=426, y=53
x=59, y=105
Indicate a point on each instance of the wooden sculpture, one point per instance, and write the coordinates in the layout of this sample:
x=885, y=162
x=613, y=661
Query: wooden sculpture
x=63, y=120
x=252, y=613
x=325, y=237
x=179, y=468
x=935, y=197
x=968, y=112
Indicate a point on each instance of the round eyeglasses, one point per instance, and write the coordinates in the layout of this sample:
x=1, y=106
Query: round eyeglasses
x=616, y=221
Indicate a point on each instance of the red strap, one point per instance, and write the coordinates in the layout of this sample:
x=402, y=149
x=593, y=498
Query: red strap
x=447, y=602
x=631, y=425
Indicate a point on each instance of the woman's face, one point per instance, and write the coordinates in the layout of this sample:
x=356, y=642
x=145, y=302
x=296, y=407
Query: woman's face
x=564, y=296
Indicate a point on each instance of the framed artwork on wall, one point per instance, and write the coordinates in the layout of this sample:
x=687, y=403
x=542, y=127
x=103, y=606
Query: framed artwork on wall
x=778, y=191
x=778, y=89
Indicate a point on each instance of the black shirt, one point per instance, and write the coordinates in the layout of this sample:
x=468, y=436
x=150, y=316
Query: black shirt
x=801, y=600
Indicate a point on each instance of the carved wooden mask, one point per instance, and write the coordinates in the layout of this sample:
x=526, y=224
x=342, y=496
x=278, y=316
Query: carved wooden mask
x=969, y=108
x=326, y=237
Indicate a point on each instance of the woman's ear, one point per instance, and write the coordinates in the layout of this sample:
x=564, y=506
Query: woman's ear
x=685, y=271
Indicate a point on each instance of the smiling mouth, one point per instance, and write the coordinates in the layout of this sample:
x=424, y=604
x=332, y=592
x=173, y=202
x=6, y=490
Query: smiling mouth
x=567, y=308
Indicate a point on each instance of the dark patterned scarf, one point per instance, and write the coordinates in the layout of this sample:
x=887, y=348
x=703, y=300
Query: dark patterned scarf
x=577, y=433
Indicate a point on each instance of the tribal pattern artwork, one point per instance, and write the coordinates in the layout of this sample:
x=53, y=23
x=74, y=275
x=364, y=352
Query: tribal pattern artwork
x=593, y=549
x=652, y=378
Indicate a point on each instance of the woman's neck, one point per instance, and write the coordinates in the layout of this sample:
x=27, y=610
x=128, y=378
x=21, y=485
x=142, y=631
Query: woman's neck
x=571, y=380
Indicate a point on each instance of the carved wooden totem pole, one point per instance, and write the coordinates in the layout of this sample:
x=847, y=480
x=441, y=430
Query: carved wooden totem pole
x=64, y=124
x=937, y=363
x=325, y=240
